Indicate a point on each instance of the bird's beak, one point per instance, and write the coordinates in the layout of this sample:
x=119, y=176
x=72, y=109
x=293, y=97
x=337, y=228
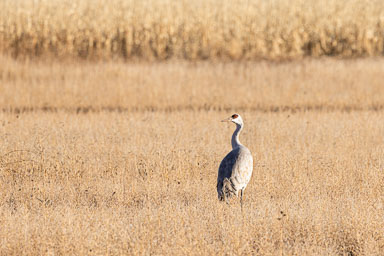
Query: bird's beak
x=229, y=119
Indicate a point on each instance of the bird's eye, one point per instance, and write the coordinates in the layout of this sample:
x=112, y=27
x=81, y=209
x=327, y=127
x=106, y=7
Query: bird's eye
x=235, y=116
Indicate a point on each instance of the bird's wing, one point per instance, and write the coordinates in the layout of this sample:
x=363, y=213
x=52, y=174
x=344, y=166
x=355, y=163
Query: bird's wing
x=227, y=165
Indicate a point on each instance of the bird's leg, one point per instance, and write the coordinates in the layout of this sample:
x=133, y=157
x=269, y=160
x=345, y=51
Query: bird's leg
x=241, y=199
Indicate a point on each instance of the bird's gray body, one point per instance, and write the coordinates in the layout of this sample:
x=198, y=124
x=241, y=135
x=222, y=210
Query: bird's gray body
x=236, y=168
x=235, y=171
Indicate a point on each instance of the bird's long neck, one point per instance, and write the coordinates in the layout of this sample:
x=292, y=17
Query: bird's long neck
x=235, y=137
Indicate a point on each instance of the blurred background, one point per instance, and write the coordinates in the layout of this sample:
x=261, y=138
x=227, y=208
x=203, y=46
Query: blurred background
x=191, y=30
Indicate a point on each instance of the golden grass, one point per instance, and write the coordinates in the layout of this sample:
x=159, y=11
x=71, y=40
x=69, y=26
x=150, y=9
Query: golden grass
x=202, y=29
x=144, y=183
x=323, y=85
x=136, y=174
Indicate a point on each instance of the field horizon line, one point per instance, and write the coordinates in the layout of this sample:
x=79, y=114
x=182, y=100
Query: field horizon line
x=299, y=108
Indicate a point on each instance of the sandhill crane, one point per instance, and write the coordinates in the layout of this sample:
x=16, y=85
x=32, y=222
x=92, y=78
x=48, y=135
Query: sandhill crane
x=236, y=168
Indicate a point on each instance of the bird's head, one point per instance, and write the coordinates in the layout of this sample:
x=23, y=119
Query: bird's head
x=235, y=118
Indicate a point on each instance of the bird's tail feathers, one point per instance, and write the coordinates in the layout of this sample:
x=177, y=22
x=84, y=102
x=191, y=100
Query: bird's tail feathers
x=228, y=189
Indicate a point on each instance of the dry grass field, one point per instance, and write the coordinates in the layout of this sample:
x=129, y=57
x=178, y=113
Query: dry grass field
x=322, y=85
x=121, y=158
x=193, y=30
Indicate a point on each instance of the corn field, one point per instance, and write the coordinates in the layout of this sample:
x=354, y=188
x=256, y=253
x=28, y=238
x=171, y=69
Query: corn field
x=192, y=30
